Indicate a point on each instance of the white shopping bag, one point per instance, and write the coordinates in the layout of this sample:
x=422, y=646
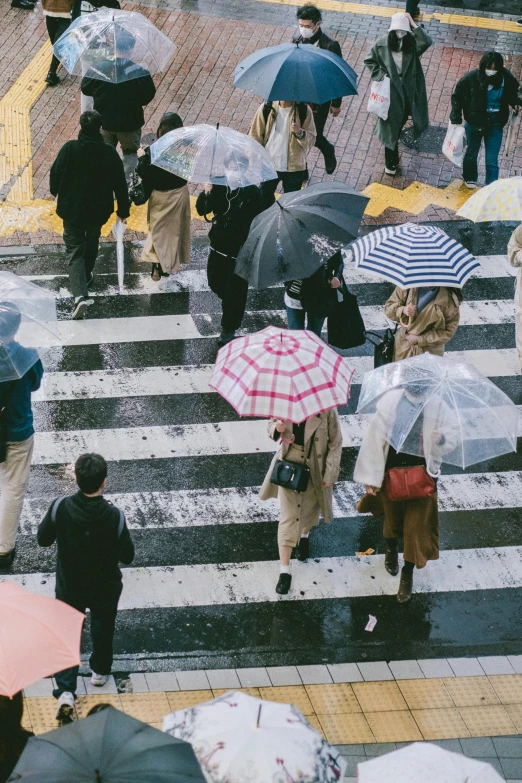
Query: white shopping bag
x=453, y=147
x=379, y=100
x=118, y=230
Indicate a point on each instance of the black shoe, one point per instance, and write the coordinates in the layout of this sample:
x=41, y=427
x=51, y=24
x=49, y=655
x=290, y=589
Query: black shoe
x=283, y=584
x=519, y=22
x=390, y=170
x=302, y=550
x=90, y=279
x=405, y=588
x=52, y=79
x=80, y=307
x=156, y=272
x=25, y=5
x=226, y=337
x=330, y=161
x=6, y=560
x=391, y=560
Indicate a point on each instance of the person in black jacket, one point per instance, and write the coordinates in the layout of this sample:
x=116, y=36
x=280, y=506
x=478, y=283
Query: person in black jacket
x=310, y=301
x=309, y=19
x=121, y=104
x=233, y=209
x=484, y=96
x=85, y=177
x=13, y=737
x=92, y=538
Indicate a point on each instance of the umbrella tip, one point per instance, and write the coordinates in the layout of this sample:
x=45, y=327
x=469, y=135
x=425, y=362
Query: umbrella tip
x=259, y=715
x=217, y=125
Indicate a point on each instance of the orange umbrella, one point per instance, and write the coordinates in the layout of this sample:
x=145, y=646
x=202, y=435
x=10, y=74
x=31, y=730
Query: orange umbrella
x=38, y=637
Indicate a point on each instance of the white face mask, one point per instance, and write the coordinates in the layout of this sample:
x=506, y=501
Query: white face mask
x=490, y=73
x=401, y=34
x=306, y=32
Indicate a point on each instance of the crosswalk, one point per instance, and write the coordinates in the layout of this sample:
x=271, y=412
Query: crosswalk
x=132, y=383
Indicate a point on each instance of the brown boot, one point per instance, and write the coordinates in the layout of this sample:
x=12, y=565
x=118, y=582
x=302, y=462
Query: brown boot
x=391, y=559
x=405, y=587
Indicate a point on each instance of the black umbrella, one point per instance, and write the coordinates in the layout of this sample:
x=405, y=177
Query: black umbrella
x=292, y=238
x=107, y=747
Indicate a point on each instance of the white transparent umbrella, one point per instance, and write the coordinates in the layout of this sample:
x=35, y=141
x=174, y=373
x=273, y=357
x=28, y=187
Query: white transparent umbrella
x=113, y=46
x=469, y=418
x=214, y=154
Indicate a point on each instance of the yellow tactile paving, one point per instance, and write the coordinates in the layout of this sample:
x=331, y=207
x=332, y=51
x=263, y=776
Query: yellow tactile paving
x=508, y=687
x=291, y=694
x=393, y=726
x=346, y=729
x=415, y=198
x=379, y=696
x=425, y=694
x=181, y=700
x=489, y=721
x=470, y=691
x=440, y=724
x=26, y=718
x=42, y=711
x=148, y=707
x=313, y=720
x=515, y=713
x=44, y=729
x=250, y=691
x=85, y=703
x=333, y=699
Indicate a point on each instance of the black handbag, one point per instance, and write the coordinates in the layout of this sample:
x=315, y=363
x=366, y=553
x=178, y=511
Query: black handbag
x=137, y=191
x=292, y=475
x=384, y=349
x=345, y=324
x=3, y=421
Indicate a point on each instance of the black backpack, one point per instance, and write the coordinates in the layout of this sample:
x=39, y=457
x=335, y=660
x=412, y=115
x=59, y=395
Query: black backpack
x=302, y=109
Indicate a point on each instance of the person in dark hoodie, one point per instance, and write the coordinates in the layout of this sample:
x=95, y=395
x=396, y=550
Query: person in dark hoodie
x=484, y=96
x=233, y=209
x=13, y=737
x=92, y=538
x=86, y=176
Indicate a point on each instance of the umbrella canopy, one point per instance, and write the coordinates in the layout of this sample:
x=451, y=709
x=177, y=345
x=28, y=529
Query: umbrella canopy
x=428, y=763
x=237, y=737
x=296, y=72
x=290, y=375
x=502, y=200
x=292, y=238
x=113, y=46
x=215, y=154
x=411, y=255
x=38, y=637
x=475, y=420
x=108, y=746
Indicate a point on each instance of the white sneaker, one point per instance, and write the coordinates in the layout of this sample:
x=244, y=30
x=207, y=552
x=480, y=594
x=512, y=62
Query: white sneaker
x=470, y=185
x=390, y=171
x=99, y=679
x=65, y=711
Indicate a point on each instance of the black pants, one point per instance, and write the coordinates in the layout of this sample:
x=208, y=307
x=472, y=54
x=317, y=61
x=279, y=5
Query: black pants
x=56, y=26
x=320, y=117
x=81, y=244
x=391, y=156
x=291, y=181
x=231, y=289
x=103, y=617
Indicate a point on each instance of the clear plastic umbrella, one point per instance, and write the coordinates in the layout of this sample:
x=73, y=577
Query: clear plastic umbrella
x=215, y=154
x=466, y=418
x=113, y=46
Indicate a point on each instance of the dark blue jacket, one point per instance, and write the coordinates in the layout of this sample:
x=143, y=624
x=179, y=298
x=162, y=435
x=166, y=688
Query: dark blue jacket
x=19, y=411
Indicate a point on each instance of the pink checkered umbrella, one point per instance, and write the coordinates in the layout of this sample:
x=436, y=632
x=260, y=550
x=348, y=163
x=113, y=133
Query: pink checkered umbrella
x=290, y=375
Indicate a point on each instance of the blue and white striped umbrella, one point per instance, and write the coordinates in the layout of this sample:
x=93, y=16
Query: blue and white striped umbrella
x=412, y=255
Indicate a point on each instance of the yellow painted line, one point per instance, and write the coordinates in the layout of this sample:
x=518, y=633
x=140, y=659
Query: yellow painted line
x=416, y=197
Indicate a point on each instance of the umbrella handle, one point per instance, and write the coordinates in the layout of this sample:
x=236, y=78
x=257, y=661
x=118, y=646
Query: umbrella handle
x=407, y=324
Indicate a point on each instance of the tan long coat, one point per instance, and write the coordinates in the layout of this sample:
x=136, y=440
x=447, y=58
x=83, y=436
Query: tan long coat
x=515, y=259
x=434, y=325
x=324, y=462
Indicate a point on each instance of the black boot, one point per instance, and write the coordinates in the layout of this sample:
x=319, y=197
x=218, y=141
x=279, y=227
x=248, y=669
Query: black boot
x=52, y=79
x=6, y=560
x=391, y=558
x=283, y=584
x=156, y=272
x=405, y=586
x=302, y=550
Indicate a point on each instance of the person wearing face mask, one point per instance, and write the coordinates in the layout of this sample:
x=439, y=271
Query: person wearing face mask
x=484, y=96
x=309, y=20
x=397, y=55
x=233, y=209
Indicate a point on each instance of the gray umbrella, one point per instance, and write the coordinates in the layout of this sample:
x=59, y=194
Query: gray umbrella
x=292, y=238
x=107, y=747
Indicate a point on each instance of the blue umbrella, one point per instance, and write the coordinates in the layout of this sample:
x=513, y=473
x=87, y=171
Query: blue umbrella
x=290, y=72
x=411, y=256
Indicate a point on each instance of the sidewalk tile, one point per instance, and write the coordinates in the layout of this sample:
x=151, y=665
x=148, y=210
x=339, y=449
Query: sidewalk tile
x=140, y=684
x=351, y=765
x=253, y=678
x=345, y=672
x=436, y=667
x=425, y=694
x=345, y=729
x=508, y=687
x=182, y=700
x=333, y=698
x=470, y=691
x=496, y=664
x=508, y=747
x=109, y=687
x=516, y=663
x=284, y=675
x=147, y=707
x=393, y=727
x=39, y=688
x=487, y=721
x=495, y=763
x=406, y=670
x=314, y=675
x=511, y=768
x=379, y=696
x=377, y=670
x=223, y=678
x=291, y=694
x=42, y=711
x=162, y=681
x=466, y=667
x=350, y=750
x=379, y=748
x=313, y=720
x=449, y=744
x=85, y=703
x=440, y=724
x=515, y=713
x=250, y=691
x=192, y=681
x=479, y=747
x=81, y=685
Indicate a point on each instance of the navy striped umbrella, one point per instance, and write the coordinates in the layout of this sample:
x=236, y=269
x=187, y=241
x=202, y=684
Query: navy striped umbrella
x=411, y=255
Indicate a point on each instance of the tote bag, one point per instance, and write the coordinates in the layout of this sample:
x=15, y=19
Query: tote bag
x=453, y=147
x=345, y=324
x=379, y=100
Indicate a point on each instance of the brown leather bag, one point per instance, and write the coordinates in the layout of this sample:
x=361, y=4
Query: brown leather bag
x=410, y=483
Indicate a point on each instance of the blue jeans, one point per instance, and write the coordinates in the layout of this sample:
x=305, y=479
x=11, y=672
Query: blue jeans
x=296, y=320
x=492, y=136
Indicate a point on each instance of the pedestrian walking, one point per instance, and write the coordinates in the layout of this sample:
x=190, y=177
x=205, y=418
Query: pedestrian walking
x=13, y=736
x=121, y=104
x=397, y=56
x=316, y=442
x=83, y=8
x=92, y=538
x=18, y=431
x=483, y=96
x=57, y=19
x=86, y=177
x=167, y=245
x=428, y=317
x=312, y=300
x=515, y=259
x=309, y=19
x=233, y=211
x=287, y=131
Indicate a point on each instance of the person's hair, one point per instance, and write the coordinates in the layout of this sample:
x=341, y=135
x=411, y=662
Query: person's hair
x=98, y=708
x=237, y=158
x=91, y=122
x=496, y=61
x=169, y=122
x=395, y=42
x=123, y=40
x=90, y=471
x=10, y=318
x=310, y=13
x=11, y=712
x=458, y=293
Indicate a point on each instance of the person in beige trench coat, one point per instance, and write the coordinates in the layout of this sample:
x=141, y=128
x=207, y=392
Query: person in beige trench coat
x=426, y=331
x=515, y=259
x=319, y=436
x=416, y=521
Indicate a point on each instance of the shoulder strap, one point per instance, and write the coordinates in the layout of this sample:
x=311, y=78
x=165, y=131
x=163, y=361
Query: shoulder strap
x=302, y=108
x=121, y=523
x=267, y=108
x=54, y=509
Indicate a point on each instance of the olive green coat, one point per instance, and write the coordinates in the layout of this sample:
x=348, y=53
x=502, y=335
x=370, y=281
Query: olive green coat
x=411, y=84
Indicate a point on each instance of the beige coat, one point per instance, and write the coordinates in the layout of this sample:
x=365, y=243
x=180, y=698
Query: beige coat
x=434, y=325
x=515, y=259
x=298, y=149
x=168, y=240
x=324, y=462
